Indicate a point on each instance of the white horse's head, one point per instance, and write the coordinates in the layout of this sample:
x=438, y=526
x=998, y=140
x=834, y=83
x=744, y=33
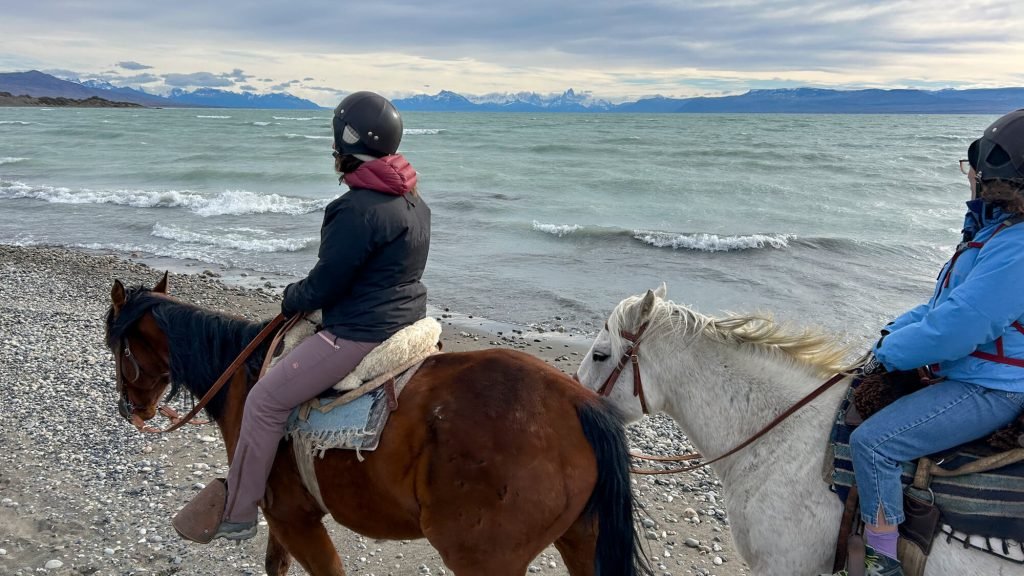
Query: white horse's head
x=609, y=350
x=685, y=356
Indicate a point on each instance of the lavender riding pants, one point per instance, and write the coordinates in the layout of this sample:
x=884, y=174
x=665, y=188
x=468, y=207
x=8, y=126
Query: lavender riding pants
x=316, y=364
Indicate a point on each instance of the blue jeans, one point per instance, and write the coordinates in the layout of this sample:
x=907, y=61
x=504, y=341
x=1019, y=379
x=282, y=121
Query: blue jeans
x=936, y=418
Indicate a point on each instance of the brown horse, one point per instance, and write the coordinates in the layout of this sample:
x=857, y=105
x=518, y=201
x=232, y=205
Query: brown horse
x=491, y=455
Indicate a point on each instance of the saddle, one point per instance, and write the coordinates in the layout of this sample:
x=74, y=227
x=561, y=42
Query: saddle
x=971, y=494
x=353, y=415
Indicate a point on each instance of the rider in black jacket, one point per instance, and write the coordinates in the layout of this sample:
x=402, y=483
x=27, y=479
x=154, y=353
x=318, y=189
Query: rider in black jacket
x=373, y=249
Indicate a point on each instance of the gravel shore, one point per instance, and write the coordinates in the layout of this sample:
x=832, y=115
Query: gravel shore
x=82, y=492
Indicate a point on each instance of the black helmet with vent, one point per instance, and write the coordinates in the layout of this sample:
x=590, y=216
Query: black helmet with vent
x=999, y=154
x=366, y=123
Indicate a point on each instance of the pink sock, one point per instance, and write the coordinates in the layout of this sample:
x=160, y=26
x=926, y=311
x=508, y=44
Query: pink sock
x=883, y=542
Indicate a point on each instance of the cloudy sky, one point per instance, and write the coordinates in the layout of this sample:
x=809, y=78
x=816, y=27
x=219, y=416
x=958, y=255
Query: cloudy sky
x=615, y=49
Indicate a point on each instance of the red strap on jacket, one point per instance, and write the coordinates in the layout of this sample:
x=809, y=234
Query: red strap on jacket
x=999, y=356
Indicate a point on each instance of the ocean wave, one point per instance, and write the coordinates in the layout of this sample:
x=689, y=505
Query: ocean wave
x=227, y=202
x=17, y=122
x=10, y=160
x=212, y=116
x=248, y=239
x=699, y=241
x=559, y=230
x=261, y=123
x=299, y=118
x=292, y=136
x=712, y=242
x=423, y=131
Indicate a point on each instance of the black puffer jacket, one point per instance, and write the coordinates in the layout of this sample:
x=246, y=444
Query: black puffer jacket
x=373, y=249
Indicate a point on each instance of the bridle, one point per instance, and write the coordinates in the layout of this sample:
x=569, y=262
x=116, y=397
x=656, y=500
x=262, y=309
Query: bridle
x=630, y=355
x=123, y=354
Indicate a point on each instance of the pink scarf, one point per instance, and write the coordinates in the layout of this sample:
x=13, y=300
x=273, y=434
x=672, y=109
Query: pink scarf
x=390, y=175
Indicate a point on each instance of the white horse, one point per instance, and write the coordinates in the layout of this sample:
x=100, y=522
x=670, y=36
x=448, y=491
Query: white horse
x=722, y=380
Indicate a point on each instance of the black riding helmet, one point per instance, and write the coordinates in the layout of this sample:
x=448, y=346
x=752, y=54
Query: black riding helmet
x=367, y=123
x=999, y=154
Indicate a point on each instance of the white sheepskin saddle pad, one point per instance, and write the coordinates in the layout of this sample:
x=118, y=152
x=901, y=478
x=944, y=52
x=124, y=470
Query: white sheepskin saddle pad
x=409, y=344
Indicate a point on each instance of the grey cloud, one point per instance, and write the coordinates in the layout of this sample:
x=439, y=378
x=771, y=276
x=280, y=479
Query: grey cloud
x=139, y=79
x=284, y=85
x=739, y=35
x=308, y=79
x=248, y=88
x=237, y=75
x=130, y=65
x=206, y=79
x=728, y=34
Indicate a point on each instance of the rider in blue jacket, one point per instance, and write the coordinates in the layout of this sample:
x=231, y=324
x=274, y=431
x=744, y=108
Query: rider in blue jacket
x=970, y=334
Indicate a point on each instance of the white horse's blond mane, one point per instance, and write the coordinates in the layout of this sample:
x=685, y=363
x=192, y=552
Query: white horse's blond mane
x=757, y=333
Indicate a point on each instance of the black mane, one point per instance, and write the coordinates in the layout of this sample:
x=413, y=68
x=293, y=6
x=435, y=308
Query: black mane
x=202, y=343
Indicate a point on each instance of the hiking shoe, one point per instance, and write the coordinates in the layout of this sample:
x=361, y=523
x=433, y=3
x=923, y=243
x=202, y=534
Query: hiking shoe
x=236, y=530
x=876, y=564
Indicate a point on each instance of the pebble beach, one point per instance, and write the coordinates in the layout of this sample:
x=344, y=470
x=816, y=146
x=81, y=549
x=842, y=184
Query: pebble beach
x=82, y=492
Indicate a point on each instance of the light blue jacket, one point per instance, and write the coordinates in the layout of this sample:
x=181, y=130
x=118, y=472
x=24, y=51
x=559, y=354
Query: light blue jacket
x=985, y=296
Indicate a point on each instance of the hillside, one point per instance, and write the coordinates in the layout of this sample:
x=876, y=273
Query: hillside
x=40, y=85
x=8, y=99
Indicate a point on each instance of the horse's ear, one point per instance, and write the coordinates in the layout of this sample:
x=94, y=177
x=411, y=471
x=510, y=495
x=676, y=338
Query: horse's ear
x=117, y=296
x=161, y=286
x=661, y=291
x=647, y=305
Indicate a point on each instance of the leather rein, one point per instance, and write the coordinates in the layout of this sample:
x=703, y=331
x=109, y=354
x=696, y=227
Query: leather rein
x=178, y=422
x=632, y=356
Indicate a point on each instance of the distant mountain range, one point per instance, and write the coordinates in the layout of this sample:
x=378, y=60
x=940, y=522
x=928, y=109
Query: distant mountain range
x=38, y=84
x=787, y=100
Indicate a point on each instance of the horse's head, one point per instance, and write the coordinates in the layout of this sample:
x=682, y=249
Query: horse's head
x=140, y=348
x=613, y=367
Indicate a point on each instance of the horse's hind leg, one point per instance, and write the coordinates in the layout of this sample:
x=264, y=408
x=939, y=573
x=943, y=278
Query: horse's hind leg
x=278, y=559
x=307, y=540
x=578, y=547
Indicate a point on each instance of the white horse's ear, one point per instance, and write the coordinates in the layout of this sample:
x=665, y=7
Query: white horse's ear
x=661, y=291
x=647, y=305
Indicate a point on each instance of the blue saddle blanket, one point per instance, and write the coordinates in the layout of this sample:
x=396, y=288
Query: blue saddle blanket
x=354, y=426
x=989, y=504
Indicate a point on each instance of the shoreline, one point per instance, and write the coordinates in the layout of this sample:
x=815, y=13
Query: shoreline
x=274, y=283
x=85, y=493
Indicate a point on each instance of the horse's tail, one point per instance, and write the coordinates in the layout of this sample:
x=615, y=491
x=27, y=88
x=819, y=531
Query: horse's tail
x=618, y=544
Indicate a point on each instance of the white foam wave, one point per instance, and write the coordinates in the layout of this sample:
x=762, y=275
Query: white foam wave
x=212, y=116
x=559, y=230
x=308, y=137
x=248, y=239
x=712, y=242
x=227, y=202
x=11, y=160
x=18, y=122
x=262, y=123
x=422, y=131
x=299, y=119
